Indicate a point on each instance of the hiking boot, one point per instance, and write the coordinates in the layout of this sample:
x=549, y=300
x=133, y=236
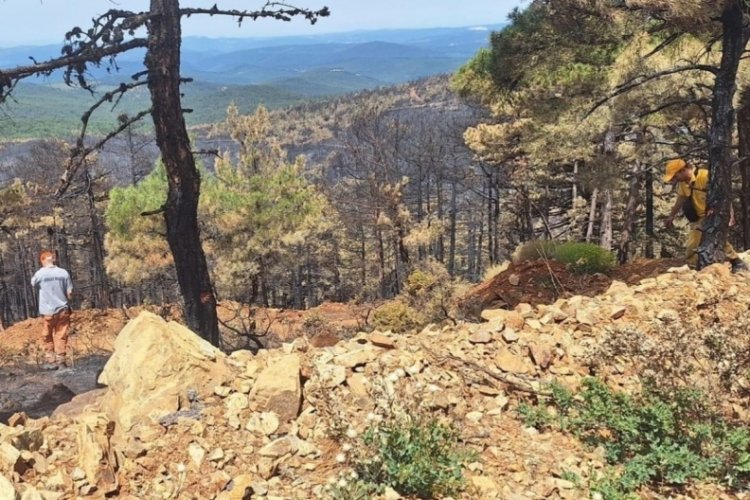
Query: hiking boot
x=738, y=265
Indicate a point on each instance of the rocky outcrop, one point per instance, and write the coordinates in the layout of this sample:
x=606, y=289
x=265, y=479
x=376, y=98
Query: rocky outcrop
x=281, y=423
x=153, y=366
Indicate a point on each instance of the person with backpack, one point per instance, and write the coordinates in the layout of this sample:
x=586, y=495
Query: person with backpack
x=692, y=190
x=55, y=290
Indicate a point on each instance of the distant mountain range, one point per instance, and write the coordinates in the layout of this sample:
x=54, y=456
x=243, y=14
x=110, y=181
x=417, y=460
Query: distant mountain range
x=248, y=71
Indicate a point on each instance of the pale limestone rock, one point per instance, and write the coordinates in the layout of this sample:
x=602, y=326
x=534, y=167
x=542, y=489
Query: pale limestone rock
x=96, y=457
x=153, y=366
x=31, y=493
x=265, y=423
x=196, y=453
x=9, y=456
x=236, y=402
x=490, y=314
x=510, y=335
x=358, y=356
x=482, y=337
x=331, y=375
x=279, y=447
x=7, y=491
x=508, y=362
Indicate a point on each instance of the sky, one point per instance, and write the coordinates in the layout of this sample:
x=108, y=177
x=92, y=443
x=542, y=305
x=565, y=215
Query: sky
x=33, y=22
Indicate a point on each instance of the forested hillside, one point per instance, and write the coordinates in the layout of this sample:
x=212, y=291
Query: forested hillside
x=481, y=280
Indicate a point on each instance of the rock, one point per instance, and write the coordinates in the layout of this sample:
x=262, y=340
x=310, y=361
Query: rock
x=9, y=457
x=7, y=491
x=96, y=457
x=81, y=403
x=17, y=419
x=508, y=362
x=196, y=453
x=358, y=356
x=484, y=485
x=222, y=391
x=236, y=402
x=265, y=423
x=584, y=317
x=514, y=279
x=381, y=340
x=481, y=337
x=216, y=455
x=278, y=388
x=22, y=438
x=241, y=487
x=617, y=312
x=490, y=314
x=331, y=375
x=31, y=493
x=510, y=335
x=541, y=354
x=390, y=494
x=153, y=365
x=280, y=447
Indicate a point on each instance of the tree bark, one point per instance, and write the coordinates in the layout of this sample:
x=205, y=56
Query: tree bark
x=716, y=227
x=605, y=231
x=181, y=209
x=630, y=208
x=649, y=252
x=592, y=216
x=743, y=129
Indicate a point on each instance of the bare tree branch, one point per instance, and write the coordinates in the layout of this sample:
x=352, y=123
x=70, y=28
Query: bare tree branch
x=642, y=79
x=274, y=10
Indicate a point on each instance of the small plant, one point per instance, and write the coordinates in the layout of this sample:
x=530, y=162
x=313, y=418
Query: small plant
x=659, y=437
x=584, y=258
x=414, y=456
x=581, y=258
x=397, y=316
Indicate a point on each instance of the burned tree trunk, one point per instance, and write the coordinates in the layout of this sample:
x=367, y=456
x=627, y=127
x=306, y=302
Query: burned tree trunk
x=181, y=208
x=716, y=227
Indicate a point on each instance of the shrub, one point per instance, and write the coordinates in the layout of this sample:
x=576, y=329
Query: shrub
x=427, y=297
x=418, y=457
x=395, y=315
x=584, y=258
x=661, y=438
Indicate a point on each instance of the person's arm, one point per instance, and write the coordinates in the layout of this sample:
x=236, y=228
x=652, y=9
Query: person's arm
x=34, y=280
x=69, y=288
x=675, y=210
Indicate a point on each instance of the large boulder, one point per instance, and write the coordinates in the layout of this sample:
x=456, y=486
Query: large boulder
x=278, y=388
x=152, y=368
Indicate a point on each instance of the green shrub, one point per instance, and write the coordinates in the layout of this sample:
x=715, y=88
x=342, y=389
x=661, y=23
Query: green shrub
x=395, y=315
x=661, y=438
x=414, y=457
x=427, y=297
x=581, y=258
x=584, y=258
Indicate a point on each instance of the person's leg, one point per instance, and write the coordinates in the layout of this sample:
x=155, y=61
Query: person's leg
x=60, y=335
x=692, y=243
x=47, y=341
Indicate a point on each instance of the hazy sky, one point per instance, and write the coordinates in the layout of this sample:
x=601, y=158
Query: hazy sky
x=46, y=21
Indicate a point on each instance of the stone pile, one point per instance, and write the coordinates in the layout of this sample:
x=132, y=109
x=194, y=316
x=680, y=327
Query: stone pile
x=179, y=419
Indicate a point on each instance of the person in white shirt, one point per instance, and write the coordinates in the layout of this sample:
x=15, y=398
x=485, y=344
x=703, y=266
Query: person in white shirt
x=55, y=290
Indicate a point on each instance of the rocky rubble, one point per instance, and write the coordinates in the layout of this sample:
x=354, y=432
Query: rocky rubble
x=179, y=419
